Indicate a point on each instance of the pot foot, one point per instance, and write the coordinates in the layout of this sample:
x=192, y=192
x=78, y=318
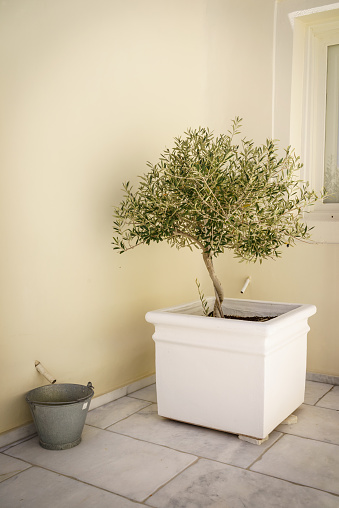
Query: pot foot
x=253, y=440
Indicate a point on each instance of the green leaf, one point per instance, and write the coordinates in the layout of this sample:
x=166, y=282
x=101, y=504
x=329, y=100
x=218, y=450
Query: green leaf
x=212, y=194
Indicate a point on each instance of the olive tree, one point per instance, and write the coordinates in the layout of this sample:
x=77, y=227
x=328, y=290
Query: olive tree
x=212, y=194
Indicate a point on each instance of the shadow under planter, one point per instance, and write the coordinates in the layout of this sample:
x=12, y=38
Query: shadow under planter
x=236, y=376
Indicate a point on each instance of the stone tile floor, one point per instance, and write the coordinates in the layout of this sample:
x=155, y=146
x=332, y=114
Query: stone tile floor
x=130, y=457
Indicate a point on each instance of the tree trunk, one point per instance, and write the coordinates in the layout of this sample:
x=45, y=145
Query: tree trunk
x=219, y=294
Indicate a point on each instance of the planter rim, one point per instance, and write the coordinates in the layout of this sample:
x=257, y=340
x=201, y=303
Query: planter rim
x=87, y=393
x=189, y=313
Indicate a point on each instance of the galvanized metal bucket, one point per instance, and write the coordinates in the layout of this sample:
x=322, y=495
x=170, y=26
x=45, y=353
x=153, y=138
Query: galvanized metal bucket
x=59, y=412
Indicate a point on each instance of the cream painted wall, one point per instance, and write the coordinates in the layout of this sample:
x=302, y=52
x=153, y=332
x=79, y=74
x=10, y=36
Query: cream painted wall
x=305, y=273
x=91, y=90
x=240, y=56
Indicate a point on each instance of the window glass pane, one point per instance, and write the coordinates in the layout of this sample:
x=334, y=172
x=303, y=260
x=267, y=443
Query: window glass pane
x=331, y=175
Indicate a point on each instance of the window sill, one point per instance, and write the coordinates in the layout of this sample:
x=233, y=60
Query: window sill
x=326, y=227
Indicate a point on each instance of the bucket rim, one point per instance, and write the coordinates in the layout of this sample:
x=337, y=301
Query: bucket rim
x=55, y=403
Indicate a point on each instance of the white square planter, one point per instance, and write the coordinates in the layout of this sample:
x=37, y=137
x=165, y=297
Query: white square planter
x=241, y=377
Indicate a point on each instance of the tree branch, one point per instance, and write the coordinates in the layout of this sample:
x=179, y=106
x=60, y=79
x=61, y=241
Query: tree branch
x=177, y=232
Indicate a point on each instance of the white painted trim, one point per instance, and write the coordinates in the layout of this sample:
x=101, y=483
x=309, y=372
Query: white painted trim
x=300, y=95
x=275, y=15
x=314, y=10
x=121, y=392
x=322, y=378
x=15, y=436
x=323, y=216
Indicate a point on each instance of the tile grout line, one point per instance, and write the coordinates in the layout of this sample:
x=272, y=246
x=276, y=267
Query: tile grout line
x=311, y=439
x=122, y=419
x=320, y=407
x=214, y=460
x=156, y=444
x=244, y=469
x=329, y=391
x=301, y=437
x=16, y=473
x=137, y=398
x=175, y=450
x=248, y=468
x=16, y=443
x=119, y=434
x=295, y=483
x=283, y=433
x=74, y=479
x=197, y=458
x=173, y=477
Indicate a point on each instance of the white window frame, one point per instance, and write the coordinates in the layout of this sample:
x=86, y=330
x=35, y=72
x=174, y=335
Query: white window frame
x=308, y=99
x=301, y=38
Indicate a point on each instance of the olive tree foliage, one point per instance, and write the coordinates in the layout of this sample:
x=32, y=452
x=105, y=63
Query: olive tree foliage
x=212, y=194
